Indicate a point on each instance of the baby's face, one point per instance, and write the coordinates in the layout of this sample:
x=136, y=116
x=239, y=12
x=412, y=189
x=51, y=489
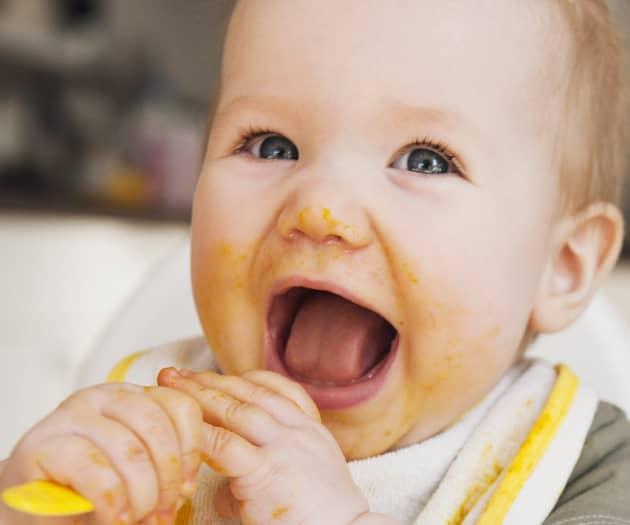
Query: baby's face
x=381, y=237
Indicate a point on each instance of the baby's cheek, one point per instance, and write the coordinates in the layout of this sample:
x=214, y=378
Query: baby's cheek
x=218, y=278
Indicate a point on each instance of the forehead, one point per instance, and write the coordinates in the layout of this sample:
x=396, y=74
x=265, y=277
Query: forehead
x=338, y=56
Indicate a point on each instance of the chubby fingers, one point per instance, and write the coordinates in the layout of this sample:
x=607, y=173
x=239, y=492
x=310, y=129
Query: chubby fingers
x=145, y=417
x=152, y=437
x=286, y=388
x=228, y=453
x=128, y=455
x=170, y=423
x=229, y=441
x=285, y=400
x=224, y=410
x=92, y=475
x=187, y=419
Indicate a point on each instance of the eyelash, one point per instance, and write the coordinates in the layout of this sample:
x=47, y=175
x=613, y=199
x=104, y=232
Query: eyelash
x=250, y=133
x=438, y=147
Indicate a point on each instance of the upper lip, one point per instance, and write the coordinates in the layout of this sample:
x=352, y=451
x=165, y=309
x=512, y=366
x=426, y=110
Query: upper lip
x=281, y=286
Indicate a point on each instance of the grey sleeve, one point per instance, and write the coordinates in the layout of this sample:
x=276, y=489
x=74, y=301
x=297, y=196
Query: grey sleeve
x=598, y=490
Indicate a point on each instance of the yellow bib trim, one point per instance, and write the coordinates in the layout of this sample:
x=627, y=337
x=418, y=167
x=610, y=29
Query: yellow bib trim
x=119, y=372
x=534, y=447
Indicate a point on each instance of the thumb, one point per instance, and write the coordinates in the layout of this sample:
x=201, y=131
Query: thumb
x=226, y=505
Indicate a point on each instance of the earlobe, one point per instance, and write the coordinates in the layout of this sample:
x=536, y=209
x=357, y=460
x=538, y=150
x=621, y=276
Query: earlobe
x=586, y=249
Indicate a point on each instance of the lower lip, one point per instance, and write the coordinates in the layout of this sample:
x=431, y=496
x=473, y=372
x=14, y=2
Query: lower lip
x=339, y=397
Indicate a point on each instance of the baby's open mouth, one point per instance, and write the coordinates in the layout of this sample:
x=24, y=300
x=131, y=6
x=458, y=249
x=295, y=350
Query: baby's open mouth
x=331, y=345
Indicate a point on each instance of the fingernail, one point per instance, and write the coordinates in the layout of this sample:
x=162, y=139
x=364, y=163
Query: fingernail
x=169, y=372
x=123, y=519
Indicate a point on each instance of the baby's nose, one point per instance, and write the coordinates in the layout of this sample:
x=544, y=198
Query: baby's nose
x=325, y=216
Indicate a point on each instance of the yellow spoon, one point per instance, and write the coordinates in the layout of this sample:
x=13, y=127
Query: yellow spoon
x=43, y=498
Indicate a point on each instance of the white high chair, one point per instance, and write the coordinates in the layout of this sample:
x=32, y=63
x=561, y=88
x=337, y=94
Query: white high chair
x=597, y=346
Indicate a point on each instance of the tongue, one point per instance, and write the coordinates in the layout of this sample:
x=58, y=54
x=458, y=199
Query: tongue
x=335, y=341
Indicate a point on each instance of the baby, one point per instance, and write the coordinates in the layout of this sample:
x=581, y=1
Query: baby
x=396, y=198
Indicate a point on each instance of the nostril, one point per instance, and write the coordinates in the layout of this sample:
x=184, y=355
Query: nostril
x=294, y=233
x=324, y=227
x=334, y=239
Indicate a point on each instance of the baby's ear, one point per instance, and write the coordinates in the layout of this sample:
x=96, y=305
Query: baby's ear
x=586, y=247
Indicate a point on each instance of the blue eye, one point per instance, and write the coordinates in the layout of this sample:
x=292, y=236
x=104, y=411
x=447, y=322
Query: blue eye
x=425, y=161
x=272, y=147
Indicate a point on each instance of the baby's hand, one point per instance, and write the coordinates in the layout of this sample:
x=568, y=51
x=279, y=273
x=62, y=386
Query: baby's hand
x=284, y=465
x=132, y=451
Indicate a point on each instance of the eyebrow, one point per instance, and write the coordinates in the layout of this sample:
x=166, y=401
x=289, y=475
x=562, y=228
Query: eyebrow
x=256, y=103
x=392, y=108
x=400, y=114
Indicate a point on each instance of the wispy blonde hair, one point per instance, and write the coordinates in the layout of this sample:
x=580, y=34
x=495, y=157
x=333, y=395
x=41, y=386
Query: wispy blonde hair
x=592, y=141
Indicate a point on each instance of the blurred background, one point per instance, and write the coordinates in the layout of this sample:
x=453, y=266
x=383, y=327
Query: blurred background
x=102, y=114
x=103, y=103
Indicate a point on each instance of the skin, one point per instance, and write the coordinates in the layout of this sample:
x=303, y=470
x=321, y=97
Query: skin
x=453, y=261
x=467, y=265
x=284, y=465
x=133, y=451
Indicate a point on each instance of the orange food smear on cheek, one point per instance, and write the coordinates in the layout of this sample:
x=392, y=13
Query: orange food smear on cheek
x=438, y=352
x=217, y=278
x=278, y=512
x=435, y=347
x=412, y=278
x=233, y=262
x=226, y=300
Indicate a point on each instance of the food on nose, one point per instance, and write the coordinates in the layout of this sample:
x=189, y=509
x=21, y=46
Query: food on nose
x=334, y=341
